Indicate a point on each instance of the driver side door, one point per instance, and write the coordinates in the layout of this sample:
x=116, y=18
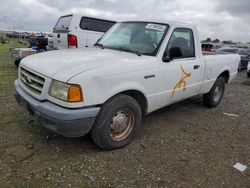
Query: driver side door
x=180, y=71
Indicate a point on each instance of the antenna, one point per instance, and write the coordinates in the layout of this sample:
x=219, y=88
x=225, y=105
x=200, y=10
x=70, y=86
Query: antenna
x=89, y=7
x=87, y=33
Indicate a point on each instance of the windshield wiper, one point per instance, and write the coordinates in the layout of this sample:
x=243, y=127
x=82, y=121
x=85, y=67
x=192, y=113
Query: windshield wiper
x=99, y=45
x=122, y=48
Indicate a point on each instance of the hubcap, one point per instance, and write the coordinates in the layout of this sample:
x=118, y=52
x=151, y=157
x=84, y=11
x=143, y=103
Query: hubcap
x=122, y=125
x=217, y=93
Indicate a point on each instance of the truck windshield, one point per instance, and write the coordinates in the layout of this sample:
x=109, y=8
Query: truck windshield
x=142, y=38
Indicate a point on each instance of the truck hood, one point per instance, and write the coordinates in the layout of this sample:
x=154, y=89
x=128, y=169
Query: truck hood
x=64, y=64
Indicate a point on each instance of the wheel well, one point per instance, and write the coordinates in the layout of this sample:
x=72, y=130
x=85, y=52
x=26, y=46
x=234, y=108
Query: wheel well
x=225, y=75
x=139, y=97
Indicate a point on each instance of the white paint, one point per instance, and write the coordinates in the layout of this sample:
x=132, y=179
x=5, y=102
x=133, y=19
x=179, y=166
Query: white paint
x=103, y=73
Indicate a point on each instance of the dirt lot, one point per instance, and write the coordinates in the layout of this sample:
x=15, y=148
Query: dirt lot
x=184, y=145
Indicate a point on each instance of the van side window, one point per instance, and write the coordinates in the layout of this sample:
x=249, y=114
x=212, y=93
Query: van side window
x=95, y=24
x=181, y=44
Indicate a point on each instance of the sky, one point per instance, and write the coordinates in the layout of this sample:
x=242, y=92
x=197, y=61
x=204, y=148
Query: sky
x=223, y=19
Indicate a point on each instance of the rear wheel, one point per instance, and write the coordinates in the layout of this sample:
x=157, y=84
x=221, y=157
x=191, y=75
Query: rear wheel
x=117, y=123
x=214, y=97
x=248, y=74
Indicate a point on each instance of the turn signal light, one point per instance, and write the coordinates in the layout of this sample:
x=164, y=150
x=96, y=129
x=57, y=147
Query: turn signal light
x=75, y=94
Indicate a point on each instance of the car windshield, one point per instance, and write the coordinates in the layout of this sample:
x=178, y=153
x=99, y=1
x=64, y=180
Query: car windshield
x=142, y=38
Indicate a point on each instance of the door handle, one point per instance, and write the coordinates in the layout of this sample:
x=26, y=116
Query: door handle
x=149, y=76
x=196, y=67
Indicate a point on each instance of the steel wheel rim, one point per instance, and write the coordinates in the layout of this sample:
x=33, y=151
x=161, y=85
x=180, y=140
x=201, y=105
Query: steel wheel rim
x=122, y=125
x=217, y=93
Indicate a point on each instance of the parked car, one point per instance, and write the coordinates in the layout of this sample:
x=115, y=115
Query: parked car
x=244, y=60
x=79, y=31
x=210, y=47
x=248, y=53
x=20, y=53
x=37, y=45
x=40, y=42
x=13, y=34
x=136, y=68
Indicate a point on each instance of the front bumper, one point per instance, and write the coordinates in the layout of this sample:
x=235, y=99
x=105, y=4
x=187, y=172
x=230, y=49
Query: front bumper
x=60, y=120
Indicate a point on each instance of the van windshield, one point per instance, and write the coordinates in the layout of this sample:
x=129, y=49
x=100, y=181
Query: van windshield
x=63, y=23
x=143, y=38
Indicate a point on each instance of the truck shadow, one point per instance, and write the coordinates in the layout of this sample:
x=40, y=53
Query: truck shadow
x=86, y=145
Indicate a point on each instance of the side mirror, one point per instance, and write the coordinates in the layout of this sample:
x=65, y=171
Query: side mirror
x=166, y=59
x=175, y=52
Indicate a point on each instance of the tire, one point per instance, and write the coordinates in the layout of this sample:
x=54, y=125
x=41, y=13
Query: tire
x=17, y=62
x=112, y=116
x=215, y=95
x=248, y=74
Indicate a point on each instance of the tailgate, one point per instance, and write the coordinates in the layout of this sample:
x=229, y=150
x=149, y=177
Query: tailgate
x=60, y=33
x=60, y=40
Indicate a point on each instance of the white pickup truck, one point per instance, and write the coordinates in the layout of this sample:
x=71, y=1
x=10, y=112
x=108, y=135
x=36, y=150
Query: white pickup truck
x=136, y=68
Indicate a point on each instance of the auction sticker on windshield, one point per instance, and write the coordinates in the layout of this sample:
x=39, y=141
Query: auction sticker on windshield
x=156, y=27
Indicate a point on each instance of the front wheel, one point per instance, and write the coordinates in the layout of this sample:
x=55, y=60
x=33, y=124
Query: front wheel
x=214, y=97
x=117, y=123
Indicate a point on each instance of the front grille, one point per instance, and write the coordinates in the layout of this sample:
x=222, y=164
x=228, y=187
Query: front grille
x=32, y=81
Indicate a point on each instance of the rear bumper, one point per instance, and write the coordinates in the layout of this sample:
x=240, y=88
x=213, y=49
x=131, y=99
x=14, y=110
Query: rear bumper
x=63, y=121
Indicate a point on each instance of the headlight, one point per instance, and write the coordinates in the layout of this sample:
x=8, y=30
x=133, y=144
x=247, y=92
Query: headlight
x=66, y=92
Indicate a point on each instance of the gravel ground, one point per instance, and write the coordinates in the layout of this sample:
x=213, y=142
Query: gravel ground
x=183, y=145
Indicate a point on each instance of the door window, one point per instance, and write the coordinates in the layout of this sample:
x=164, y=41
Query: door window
x=181, y=44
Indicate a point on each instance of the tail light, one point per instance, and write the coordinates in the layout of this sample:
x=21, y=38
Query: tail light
x=72, y=41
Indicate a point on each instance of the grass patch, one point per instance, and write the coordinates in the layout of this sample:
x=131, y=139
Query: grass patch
x=9, y=111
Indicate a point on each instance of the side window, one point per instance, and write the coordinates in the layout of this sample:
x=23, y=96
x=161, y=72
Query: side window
x=95, y=24
x=181, y=44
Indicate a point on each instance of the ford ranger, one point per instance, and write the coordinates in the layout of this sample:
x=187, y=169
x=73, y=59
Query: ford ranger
x=136, y=68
